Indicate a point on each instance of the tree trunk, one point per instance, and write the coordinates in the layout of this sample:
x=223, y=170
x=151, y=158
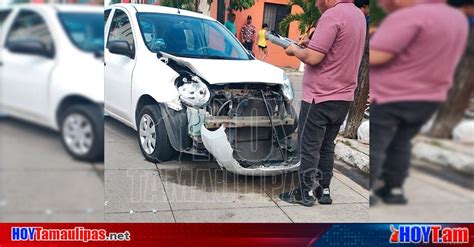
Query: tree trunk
x=361, y=95
x=196, y=5
x=452, y=111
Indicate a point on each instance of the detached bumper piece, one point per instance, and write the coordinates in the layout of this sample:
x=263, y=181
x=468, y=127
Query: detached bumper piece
x=217, y=143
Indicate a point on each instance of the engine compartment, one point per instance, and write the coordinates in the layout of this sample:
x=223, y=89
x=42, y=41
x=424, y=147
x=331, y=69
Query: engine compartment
x=259, y=122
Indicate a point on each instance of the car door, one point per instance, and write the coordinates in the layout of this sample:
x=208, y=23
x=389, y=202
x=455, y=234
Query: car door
x=3, y=17
x=119, y=68
x=26, y=73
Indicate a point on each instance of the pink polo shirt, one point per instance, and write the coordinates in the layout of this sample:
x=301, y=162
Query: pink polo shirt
x=340, y=34
x=428, y=40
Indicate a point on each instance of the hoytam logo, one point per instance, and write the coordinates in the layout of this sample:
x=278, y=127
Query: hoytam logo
x=435, y=234
x=75, y=234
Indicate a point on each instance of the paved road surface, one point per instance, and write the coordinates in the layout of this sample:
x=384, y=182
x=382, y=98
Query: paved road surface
x=40, y=182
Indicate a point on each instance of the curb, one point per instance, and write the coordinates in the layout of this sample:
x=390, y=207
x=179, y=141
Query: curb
x=353, y=153
x=445, y=153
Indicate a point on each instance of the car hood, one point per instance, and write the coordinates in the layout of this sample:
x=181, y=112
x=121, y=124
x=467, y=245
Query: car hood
x=218, y=71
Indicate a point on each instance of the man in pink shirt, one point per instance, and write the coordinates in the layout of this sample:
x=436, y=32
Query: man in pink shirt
x=332, y=59
x=413, y=57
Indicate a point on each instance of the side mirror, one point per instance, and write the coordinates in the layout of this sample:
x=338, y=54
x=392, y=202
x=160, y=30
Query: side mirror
x=121, y=47
x=31, y=47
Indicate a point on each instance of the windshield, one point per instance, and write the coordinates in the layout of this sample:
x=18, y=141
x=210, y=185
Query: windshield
x=185, y=36
x=86, y=30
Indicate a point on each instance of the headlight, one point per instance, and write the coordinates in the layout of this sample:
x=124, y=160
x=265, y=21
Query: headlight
x=193, y=92
x=287, y=88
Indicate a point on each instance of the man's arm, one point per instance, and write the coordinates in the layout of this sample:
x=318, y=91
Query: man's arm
x=379, y=57
x=254, y=34
x=312, y=52
x=305, y=55
x=392, y=37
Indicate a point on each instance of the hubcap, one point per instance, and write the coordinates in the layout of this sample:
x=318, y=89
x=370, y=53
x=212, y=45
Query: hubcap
x=78, y=134
x=147, y=134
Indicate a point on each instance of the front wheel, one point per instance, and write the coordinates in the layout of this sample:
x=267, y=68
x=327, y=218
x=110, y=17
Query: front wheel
x=152, y=136
x=82, y=131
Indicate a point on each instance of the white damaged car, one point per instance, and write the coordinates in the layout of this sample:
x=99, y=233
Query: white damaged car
x=187, y=85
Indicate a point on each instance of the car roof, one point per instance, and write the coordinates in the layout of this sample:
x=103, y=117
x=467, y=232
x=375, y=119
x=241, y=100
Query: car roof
x=148, y=8
x=61, y=7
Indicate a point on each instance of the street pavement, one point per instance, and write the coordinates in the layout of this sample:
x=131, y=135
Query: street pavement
x=199, y=191
x=40, y=182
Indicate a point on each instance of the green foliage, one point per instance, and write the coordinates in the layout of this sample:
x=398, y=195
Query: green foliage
x=239, y=5
x=306, y=19
x=181, y=4
x=376, y=13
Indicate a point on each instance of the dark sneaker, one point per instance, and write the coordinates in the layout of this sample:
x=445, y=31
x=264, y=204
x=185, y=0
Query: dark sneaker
x=323, y=195
x=295, y=196
x=373, y=200
x=393, y=195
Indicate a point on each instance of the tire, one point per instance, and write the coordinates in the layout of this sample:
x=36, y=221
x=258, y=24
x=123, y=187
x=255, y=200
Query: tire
x=92, y=138
x=162, y=150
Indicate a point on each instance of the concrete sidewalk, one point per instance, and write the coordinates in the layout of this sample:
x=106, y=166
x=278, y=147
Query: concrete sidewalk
x=435, y=195
x=199, y=191
x=40, y=182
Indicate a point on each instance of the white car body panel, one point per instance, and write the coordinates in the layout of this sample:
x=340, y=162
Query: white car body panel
x=36, y=95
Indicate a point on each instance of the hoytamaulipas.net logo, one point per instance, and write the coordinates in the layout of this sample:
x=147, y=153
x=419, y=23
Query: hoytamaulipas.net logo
x=74, y=234
x=433, y=234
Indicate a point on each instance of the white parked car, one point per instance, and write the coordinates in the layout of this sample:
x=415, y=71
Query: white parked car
x=187, y=85
x=52, y=74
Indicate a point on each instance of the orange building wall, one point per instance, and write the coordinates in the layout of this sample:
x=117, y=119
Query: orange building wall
x=276, y=54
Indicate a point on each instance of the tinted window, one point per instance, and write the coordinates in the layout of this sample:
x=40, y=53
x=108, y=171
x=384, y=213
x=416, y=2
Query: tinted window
x=29, y=25
x=189, y=37
x=3, y=16
x=86, y=30
x=121, y=29
x=106, y=15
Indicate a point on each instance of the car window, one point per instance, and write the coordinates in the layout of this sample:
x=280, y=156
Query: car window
x=29, y=25
x=192, y=37
x=121, y=29
x=85, y=30
x=106, y=15
x=3, y=16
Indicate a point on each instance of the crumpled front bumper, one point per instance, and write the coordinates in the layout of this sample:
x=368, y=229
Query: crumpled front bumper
x=217, y=144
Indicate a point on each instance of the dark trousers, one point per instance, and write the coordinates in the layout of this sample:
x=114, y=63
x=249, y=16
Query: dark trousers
x=248, y=46
x=318, y=128
x=392, y=127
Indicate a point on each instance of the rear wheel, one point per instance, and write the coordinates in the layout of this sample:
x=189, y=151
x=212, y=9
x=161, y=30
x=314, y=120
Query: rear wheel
x=82, y=131
x=152, y=136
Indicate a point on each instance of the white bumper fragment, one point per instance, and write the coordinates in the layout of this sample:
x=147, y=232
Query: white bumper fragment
x=217, y=144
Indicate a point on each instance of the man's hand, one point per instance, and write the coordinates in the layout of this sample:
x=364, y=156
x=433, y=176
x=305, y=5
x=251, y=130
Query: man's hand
x=304, y=41
x=290, y=50
x=305, y=55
